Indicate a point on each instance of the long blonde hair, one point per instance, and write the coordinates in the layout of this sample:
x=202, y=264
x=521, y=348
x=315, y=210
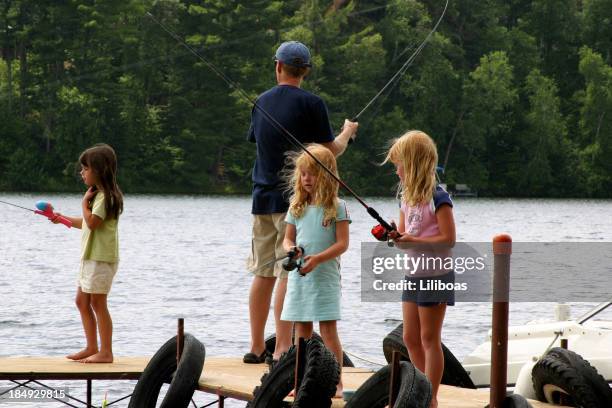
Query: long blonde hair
x=416, y=152
x=325, y=189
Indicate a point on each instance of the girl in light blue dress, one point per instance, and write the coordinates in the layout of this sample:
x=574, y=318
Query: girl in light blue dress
x=318, y=224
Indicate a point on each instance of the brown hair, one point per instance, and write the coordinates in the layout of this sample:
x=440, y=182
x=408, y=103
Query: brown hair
x=102, y=160
x=296, y=72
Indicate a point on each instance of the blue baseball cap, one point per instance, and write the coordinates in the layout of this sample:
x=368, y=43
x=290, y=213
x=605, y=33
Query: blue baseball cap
x=293, y=53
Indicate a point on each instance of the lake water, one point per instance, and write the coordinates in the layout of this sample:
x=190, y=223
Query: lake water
x=184, y=256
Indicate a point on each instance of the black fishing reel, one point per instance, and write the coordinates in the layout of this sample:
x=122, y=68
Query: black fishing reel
x=292, y=262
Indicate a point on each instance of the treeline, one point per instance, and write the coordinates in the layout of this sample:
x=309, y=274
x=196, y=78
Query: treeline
x=516, y=93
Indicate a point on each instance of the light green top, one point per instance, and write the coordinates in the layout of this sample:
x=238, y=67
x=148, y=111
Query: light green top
x=101, y=244
x=316, y=296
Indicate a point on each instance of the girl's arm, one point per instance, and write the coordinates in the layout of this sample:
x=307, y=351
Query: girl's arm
x=77, y=222
x=92, y=221
x=335, y=250
x=446, y=225
x=289, y=240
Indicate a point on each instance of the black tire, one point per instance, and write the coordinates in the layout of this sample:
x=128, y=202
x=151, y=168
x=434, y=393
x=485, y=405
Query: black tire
x=553, y=377
x=414, y=392
x=415, y=388
x=276, y=384
x=514, y=401
x=271, y=343
x=454, y=373
x=600, y=386
x=321, y=376
x=162, y=368
x=565, y=372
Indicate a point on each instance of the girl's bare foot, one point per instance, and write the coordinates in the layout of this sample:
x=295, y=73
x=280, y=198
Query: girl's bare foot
x=433, y=403
x=101, y=357
x=86, y=352
x=339, y=390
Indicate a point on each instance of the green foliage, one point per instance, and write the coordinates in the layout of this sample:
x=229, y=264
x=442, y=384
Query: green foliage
x=516, y=94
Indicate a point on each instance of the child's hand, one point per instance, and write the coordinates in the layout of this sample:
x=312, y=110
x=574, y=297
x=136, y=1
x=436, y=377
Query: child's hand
x=394, y=234
x=297, y=251
x=310, y=262
x=55, y=219
x=89, y=194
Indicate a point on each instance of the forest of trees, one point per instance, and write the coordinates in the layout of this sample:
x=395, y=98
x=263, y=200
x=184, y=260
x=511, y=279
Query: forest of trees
x=516, y=93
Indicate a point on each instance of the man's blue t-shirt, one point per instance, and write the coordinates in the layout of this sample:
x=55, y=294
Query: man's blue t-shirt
x=301, y=113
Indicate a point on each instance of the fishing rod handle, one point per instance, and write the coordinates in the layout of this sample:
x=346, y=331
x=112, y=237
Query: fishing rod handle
x=52, y=216
x=65, y=221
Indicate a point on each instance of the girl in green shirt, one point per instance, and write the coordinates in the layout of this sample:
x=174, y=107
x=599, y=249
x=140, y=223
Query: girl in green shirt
x=102, y=204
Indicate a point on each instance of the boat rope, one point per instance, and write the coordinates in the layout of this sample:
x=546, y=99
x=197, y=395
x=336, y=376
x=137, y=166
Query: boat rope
x=364, y=359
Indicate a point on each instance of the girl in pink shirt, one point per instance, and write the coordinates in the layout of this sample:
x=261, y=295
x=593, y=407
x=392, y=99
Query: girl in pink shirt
x=426, y=216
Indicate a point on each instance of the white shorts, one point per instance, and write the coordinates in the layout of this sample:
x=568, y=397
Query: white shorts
x=96, y=277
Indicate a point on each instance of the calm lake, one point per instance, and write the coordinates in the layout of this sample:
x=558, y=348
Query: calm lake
x=184, y=256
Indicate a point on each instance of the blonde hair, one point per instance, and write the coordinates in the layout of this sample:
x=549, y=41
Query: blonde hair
x=325, y=189
x=416, y=152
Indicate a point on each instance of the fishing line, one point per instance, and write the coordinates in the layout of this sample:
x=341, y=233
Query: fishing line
x=288, y=135
x=18, y=206
x=400, y=72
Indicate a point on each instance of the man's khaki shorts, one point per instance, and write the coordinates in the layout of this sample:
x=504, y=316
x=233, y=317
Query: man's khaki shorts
x=267, y=245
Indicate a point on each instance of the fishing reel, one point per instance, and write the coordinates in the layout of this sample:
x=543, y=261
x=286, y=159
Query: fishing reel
x=292, y=262
x=382, y=234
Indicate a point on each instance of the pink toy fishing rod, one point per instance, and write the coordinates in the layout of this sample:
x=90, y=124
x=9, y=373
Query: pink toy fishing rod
x=46, y=209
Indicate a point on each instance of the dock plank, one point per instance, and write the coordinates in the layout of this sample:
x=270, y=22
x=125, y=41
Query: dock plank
x=62, y=368
x=229, y=377
x=234, y=379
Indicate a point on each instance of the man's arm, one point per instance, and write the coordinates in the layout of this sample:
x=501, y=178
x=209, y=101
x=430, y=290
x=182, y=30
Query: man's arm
x=339, y=144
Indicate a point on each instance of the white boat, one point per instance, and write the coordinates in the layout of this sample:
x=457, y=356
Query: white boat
x=591, y=339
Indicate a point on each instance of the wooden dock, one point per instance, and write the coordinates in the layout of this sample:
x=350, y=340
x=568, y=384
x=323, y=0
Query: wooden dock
x=224, y=377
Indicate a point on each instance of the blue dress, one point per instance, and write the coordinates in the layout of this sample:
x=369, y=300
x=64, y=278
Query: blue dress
x=316, y=296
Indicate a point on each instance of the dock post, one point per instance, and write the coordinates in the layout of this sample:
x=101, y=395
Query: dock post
x=180, y=339
x=300, y=358
x=502, y=249
x=88, y=397
x=394, y=381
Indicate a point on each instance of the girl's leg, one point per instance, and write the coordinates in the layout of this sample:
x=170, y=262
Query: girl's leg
x=283, y=327
x=88, y=319
x=105, y=327
x=431, y=319
x=303, y=329
x=412, y=334
x=329, y=333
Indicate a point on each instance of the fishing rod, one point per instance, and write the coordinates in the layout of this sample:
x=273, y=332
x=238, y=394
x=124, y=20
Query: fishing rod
x=46, y=209
x=286, y=133
x=18, y=206
x=400, y=72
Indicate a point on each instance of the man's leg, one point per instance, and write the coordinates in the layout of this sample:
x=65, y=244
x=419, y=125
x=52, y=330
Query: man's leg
x=260, y=296
x=283, y=328
x=259, y=306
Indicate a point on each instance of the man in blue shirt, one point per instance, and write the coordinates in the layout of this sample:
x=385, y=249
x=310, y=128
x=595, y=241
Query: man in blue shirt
x=305, y=116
